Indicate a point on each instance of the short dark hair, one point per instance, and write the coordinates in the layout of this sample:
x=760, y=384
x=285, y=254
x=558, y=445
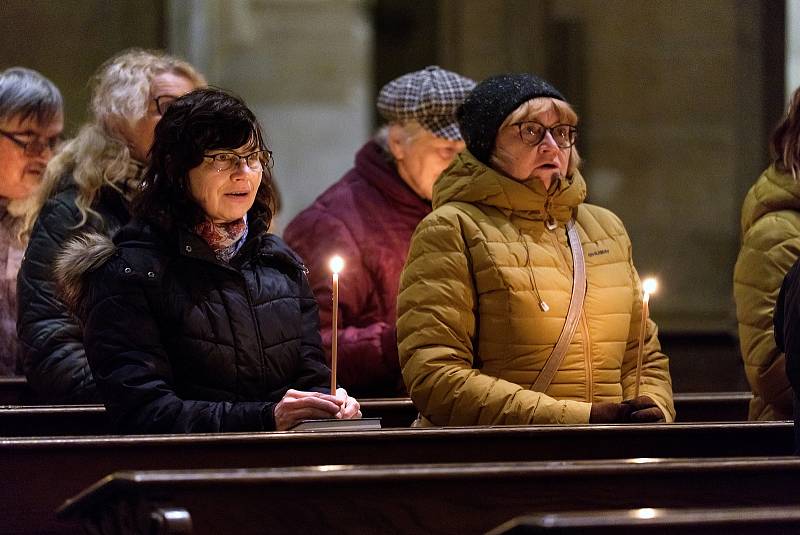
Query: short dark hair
x=202, y=120
x=26, y=94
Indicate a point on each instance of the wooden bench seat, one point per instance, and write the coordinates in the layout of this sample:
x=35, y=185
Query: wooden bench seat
x=424, y=498
x=39, y=473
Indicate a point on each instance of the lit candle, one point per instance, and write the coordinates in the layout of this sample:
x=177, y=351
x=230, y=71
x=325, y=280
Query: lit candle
x=649, y=286
x=336, y=264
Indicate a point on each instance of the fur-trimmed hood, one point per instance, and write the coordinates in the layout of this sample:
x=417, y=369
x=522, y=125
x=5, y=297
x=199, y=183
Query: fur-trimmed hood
x=80, y=257
x=85, y=254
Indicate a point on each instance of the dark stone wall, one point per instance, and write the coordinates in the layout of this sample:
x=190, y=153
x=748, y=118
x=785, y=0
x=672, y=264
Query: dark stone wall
x=66, y=40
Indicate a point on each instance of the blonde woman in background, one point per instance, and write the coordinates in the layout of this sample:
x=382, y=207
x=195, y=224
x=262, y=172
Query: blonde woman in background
x=770, y=245
x=88, y=187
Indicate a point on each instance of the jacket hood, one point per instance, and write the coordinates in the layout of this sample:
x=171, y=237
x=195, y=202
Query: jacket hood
x=376, y=168
x=469, y=180
x=773, y=191
x=80, y=257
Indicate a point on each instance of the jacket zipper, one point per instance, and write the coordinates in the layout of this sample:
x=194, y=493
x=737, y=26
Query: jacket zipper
x=249, y=296
x=270, y=256
x=257, y=330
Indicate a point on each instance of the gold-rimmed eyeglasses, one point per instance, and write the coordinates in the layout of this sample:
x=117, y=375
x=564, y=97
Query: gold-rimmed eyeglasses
x=532, y=133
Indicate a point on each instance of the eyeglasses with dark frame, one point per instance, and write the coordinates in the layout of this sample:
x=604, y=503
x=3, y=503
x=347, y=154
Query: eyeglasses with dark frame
x=163, y=102
x=35, y=146
x=532, y=133
x=225, y=161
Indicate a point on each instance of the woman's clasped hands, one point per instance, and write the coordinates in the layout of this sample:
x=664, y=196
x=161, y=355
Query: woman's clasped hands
x=297, y=405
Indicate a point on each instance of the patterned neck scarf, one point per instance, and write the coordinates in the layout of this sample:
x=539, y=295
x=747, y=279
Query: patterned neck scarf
x=225, y=239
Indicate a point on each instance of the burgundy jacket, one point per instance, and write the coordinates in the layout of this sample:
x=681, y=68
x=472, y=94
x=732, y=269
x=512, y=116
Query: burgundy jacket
x=367, y=218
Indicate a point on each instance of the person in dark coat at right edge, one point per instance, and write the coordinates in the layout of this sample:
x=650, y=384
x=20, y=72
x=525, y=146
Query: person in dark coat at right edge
x=786, y=322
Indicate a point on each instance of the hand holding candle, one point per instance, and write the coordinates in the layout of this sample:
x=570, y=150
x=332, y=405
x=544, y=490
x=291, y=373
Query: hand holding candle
x=649, y=286
x=336, y=265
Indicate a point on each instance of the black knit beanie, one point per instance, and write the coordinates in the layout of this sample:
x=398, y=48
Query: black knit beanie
x=488, y=105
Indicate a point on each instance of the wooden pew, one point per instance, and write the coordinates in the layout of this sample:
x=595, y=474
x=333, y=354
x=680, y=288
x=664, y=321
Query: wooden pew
x=57, y=420
x=690, y=407
x=423, y=498
x=394, y=412
x=62, y=420
x=15, y=391
x=53, y=420
x=712, y=406
x=400, y=412
x=775, y=520
x=38, y=474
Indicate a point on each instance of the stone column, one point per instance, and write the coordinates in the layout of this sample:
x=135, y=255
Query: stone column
x=304, y=68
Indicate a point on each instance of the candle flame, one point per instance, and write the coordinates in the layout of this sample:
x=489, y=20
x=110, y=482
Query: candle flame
x=336, y=264
x=650, y=285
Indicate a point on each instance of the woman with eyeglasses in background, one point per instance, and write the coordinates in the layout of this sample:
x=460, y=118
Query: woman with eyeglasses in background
x=31, y=121
x=89, y=187
x=496, y=324
x=197, y=319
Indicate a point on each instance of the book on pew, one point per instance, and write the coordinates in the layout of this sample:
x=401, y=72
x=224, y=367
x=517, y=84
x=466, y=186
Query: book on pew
x=335, y=424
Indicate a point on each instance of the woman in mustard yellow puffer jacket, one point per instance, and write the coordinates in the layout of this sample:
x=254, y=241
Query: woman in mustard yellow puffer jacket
x=487, y=285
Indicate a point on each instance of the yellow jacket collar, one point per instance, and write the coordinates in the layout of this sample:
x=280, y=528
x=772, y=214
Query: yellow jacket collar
x=469, y=180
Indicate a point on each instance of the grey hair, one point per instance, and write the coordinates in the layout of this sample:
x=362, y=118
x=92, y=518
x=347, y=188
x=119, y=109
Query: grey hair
x=26, y=94
x=381, y=138
x=411, y=129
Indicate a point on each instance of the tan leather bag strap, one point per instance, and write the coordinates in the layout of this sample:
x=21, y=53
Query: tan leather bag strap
x=573, y=313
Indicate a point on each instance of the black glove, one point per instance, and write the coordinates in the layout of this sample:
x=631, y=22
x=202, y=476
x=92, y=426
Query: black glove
x=610, y=413
x=644, y=409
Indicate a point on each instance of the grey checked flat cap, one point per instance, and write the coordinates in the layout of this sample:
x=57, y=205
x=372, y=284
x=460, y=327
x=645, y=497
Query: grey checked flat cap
x=430, y=97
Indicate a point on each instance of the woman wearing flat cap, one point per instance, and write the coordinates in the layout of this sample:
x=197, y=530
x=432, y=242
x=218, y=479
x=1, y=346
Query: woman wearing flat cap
x=519, y=303
x=196, y=318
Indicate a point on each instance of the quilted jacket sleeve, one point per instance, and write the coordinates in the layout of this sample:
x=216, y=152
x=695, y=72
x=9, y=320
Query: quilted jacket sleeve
x=436, y=327
x=367, y=354
x=769, y=249
x=133, y=370
x=53, y=354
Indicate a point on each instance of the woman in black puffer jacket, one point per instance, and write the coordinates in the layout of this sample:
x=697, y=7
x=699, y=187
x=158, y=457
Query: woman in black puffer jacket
x=196, y=319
